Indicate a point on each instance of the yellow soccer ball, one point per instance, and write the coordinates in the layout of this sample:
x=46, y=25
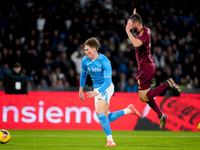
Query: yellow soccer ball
x=4, y=136
x=198, y=126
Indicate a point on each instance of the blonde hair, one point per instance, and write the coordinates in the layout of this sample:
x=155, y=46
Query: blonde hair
x=92, y=42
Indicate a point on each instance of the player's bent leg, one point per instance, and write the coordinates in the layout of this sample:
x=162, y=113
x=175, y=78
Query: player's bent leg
x=143, y=95
x=150, y=101
x=106, y=111
x=115, y=115
x=100, y=108
x=156, y=91
x=128, y=110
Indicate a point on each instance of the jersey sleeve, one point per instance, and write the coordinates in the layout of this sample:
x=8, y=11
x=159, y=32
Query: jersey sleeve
x=107, y=71
x=83, y=75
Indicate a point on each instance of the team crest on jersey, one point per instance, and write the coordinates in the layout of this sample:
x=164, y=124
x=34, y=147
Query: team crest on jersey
x=88, y=69
x=89, y=63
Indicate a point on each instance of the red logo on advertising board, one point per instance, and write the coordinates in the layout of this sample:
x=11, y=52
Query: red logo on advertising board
x=183, y=112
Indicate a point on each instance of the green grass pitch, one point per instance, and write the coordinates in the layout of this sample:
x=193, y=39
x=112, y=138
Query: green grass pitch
x=94, y=140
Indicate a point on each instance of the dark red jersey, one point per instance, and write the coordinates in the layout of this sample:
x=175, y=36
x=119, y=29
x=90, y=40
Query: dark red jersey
x=143, y=53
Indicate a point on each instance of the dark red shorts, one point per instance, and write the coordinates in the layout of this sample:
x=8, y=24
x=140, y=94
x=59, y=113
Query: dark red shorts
x=145, y=77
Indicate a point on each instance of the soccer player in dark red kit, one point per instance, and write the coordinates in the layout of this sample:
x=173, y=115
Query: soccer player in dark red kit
x=146, y=66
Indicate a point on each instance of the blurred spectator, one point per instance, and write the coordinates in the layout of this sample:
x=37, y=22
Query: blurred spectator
x=15, y=82
x=158, y=58
x=66, y=62
x=43, y=85
x=188, y=82
x=131, y=85
x=171, y=62
x=121, y=62
x=115, y=77
x=159, y=77
x=76, y=58
x=165, y=42
x=176, y=75
x=57, y=75
x=40, y=22
x=50, y=36
x=71, y=77
x=121, y=85
x=45, y=75
x=123, y=45
x=196, y=83
x=182, y=84
x=4, y=70
x=168, y=72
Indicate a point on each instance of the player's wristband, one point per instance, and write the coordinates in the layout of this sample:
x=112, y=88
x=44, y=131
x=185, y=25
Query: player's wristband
x=97, y=91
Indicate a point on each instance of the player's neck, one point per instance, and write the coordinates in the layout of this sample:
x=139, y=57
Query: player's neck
x=139, y=28
x=95, y=56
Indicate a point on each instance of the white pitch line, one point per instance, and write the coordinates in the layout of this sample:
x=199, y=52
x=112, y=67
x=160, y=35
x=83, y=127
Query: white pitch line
x=179, y=136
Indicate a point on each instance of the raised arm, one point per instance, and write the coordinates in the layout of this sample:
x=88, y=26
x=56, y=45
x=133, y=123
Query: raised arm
x=134, y=11
x=136, y=42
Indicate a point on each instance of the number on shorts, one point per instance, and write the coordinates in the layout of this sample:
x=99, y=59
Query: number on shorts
x=103, y=93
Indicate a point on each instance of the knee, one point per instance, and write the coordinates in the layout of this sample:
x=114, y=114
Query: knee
x=99, y=111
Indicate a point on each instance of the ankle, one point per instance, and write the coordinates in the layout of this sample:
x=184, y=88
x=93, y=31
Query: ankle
x=160, y=115
x=109, y=138
x=127, y=111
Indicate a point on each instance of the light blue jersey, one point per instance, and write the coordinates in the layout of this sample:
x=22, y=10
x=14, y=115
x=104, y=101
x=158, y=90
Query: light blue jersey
x=100, y=71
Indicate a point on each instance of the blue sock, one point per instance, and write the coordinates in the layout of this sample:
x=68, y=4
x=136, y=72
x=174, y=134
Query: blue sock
x=104, y=123
x=115, y=115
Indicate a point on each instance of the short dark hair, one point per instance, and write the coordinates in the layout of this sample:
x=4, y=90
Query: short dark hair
x=92, y=42
x=17, y=65
x=136, y=18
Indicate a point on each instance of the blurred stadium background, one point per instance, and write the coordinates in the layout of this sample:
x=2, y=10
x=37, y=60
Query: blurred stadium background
x=47, y=37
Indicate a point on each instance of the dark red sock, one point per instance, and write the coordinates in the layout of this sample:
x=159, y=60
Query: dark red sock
x=152, y=103
x=156, y=91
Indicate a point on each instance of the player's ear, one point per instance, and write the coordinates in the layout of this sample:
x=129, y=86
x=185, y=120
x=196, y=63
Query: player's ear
x=94, y=49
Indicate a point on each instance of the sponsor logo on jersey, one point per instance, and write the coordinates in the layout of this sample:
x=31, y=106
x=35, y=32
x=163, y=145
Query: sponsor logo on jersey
x=94, y=69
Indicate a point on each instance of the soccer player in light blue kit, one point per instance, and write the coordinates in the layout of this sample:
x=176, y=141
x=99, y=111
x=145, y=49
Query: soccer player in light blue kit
x=100, y=70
